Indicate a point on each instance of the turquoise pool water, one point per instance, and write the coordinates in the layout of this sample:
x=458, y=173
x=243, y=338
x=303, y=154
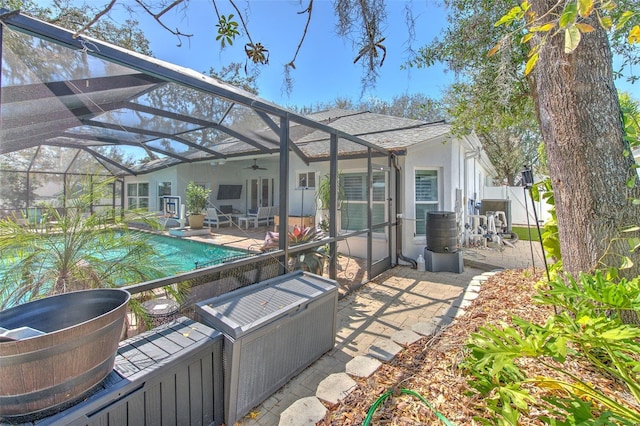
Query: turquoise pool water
x=176, y=255
x=184, y=255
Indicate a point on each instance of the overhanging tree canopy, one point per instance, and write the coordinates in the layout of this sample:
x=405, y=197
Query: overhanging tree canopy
x=76, y=105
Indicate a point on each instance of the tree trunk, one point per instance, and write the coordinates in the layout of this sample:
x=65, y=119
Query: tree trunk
x=579, y=115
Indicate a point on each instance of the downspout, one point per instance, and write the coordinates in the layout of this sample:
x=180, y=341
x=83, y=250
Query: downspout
x=399, y=218
x=467, y=156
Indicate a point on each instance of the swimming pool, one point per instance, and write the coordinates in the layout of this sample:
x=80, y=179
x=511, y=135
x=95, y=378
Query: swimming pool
x=171, y=256
x=184, y=255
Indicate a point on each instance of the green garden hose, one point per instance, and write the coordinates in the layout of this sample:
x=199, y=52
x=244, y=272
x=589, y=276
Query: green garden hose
x=388, y=393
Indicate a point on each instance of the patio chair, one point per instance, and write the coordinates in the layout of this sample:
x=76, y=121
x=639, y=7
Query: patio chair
x=34, y=218
x=216, y=217
x=263, y=214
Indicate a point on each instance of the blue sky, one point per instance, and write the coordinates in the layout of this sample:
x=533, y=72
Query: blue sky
x=324, y=67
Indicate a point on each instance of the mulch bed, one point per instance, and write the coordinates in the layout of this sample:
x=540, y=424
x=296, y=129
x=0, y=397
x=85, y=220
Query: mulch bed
x=430, y=366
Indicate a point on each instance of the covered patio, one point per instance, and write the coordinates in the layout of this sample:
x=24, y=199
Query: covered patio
x=76, y=112
x=73, y=107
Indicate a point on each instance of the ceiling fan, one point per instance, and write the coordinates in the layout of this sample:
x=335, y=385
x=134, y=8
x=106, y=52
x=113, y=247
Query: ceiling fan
x=255, y=166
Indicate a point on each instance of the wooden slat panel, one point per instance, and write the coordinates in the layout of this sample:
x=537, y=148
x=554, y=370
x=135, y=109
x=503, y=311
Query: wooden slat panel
x=136, y=409
x=197, y=330
x=118, y=415
x=166, y=345
x=101, y=420
x=156, y=353
x=130, y=360
x=218, y=384
x=207, y=389
x=112, y=379
x=195, y=392
x=168, y=394
x=182, y=395
x=153, y=405
x=176, y=335
x=183, y=385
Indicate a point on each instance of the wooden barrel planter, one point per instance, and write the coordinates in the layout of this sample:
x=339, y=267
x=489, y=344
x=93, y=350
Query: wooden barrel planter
x=73, y=346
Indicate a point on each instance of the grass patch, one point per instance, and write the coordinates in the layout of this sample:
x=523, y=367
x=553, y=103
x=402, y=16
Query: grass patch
x=523, y=232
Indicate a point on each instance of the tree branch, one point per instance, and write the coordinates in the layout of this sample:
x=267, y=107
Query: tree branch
x=95, y=19
x=157, y=17
x=244, y=25
x=308, y=11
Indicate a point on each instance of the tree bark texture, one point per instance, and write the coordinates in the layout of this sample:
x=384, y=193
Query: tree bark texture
x=580, y=120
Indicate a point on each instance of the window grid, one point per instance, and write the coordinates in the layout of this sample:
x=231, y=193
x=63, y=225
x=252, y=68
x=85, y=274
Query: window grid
x=354, y=208
x=138, y=195
x=426, y=198
x=307, y=180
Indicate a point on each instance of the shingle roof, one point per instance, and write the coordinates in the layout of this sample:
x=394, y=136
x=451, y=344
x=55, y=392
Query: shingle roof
x=386, y=131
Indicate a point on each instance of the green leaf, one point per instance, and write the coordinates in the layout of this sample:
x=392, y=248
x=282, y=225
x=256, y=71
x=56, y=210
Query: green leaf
x=572, y=39
x=531, y=63
x=626, y=15
x=515, y=13
x=605, y=21
x=623, y=332
x=568, y=17
x=631, y=182
x=626, y=263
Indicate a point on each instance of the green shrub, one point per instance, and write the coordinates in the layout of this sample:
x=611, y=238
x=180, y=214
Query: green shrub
x=586, y=327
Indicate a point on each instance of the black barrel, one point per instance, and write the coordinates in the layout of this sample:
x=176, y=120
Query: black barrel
x=442, y=232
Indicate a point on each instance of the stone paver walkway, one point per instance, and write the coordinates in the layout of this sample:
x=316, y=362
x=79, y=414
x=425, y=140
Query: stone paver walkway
x=375, y=322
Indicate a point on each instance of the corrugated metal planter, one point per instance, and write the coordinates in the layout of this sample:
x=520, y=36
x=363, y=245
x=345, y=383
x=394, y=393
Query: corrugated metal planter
x=48, y=372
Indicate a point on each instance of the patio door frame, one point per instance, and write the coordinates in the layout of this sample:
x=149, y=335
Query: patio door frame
x=259, y=192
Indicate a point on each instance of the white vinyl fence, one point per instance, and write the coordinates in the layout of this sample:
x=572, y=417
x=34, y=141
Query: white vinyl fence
x=520, y=207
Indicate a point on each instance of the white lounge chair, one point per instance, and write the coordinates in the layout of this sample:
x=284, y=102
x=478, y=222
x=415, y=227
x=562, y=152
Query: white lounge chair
x=264, y=214
x=216, y=217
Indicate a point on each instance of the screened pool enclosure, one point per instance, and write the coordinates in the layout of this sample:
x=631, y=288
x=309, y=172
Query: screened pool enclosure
x=75, y=109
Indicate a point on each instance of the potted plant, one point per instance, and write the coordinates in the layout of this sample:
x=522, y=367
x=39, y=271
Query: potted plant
x=196, y=200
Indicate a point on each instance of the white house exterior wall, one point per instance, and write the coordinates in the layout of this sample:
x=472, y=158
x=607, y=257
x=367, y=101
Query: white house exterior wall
x=436, y=155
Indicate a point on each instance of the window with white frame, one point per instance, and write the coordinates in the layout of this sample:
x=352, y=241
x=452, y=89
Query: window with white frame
x=138, y=195
x=307, y=180
x=427, y=198
x=353, y=214
x=164, y=188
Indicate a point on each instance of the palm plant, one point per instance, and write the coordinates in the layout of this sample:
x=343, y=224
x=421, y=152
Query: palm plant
x=83, y=250
x=323, y=196
x=323, y=191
